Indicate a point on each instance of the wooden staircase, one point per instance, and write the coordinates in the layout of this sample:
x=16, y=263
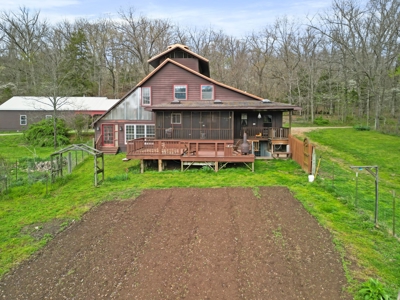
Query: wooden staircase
x=108, y=150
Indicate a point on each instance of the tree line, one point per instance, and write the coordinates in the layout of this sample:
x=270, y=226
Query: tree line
x=344, y=62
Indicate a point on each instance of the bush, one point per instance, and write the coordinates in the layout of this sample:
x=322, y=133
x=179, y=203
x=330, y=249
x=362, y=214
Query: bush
x=42, y=134
x=321, y=121
x=362, y=128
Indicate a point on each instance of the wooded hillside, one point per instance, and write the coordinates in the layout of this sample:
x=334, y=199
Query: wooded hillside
x=343, y=62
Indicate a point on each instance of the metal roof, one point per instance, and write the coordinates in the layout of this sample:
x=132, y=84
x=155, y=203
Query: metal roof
x=71, y=103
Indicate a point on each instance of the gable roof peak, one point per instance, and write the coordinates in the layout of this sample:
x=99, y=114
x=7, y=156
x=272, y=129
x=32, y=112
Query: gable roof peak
x=177, y=45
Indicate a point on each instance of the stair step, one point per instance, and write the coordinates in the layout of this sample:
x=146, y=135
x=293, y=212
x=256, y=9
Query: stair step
x=109, y=150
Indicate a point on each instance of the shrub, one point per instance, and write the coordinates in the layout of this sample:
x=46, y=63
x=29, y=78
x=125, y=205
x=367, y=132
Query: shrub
x=321, y=121
x=362, y=128
x=42, y=134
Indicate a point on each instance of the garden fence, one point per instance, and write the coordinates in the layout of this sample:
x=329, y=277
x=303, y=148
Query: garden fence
x=356, y=187
x=22, y=171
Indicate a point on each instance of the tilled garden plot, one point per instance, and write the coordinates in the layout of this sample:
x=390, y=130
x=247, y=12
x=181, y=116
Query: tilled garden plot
x=225, y=243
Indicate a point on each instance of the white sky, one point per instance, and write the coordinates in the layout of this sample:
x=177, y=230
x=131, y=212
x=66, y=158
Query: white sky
x=234, y=17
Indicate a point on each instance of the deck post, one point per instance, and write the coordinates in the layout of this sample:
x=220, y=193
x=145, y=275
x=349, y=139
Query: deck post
x=216, y=166
x=252, y=166
x=181, y=165
x=160, y=165
x=142, y=166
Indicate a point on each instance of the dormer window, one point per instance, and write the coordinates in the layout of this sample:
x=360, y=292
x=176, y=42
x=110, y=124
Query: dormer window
x=207, y=92
x=180, y=92
x=146, y=96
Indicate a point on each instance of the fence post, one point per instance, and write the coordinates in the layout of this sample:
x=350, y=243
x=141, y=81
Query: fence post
x=69, y=163
x=394, y=213
x=356, y=189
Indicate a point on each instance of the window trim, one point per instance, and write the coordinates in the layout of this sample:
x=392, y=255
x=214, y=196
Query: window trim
x=212, y=92
x=20, y=120
x=186, y=92
x=141, y=96
x=180, y=118
x=135, y=132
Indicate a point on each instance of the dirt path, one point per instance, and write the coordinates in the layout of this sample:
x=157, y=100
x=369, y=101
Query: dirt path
x=187, y=243
x=301, y=130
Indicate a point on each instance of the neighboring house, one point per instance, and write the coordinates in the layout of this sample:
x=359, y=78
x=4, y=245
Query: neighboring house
x=20, y=111
x=178, y=112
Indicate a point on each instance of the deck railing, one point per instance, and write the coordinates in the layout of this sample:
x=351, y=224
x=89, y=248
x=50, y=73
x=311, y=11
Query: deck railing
x=148, y=146
x=194, y=134
x=151, y=147
x=266, y=132
x=99, y=142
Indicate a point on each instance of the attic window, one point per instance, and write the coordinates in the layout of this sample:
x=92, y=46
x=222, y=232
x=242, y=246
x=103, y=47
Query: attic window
x=180, y=92
x=207, y=92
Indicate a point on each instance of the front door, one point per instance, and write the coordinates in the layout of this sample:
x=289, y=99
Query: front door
x=108, y=135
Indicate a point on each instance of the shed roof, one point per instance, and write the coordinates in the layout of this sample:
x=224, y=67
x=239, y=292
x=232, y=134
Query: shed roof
x=27, y=103
x=224, y=105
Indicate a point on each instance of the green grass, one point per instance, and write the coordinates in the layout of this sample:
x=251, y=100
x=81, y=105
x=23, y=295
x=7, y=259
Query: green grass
x=366, y=251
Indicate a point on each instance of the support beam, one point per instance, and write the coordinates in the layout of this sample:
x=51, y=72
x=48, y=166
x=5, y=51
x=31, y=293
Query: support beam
x=216, y=166
x=160, y=165
x=142, y=166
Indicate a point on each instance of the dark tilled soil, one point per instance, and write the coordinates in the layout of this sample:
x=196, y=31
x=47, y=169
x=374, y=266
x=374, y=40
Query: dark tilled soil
x=187, y=243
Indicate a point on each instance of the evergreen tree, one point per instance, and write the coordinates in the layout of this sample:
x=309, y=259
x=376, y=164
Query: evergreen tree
x=78, y=65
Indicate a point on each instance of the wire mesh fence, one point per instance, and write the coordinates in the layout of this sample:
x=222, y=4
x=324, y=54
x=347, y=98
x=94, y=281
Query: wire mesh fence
x=376, y=202
x=30, y=170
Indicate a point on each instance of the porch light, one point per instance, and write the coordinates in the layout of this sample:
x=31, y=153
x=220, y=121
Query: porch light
x=98, y=128
x=259, y=115
x=120, y=128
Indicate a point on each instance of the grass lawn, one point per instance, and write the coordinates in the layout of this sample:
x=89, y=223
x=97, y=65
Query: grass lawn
x=367, y=251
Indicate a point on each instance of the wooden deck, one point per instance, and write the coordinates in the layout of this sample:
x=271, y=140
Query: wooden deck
x=216, y=152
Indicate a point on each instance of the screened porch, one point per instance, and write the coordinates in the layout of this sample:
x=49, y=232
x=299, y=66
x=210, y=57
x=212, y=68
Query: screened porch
x=195, y=125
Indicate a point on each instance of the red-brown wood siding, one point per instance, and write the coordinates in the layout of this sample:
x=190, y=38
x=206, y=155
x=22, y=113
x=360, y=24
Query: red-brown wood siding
x=192, y=63
x=162, y=86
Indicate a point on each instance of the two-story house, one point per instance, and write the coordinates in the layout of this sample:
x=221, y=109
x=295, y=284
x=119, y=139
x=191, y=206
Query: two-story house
x=177, y=112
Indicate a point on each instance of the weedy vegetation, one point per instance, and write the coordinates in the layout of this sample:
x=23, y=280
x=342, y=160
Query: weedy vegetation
x=367, y=251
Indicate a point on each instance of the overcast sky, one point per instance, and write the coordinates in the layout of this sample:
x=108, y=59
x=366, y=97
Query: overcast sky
x=234, y=17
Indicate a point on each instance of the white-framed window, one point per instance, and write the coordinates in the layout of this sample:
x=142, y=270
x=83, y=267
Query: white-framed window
x=136, y=131
x=207, y=92
x=23, y=120
x=176, y=118
x=146, y=96
x=49, y=116
x=180, y=92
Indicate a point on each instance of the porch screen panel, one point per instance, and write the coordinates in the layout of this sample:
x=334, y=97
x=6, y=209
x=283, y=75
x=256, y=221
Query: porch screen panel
x=160, y=125
x=216, y=132
x=195, y=125
x=186, y=125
